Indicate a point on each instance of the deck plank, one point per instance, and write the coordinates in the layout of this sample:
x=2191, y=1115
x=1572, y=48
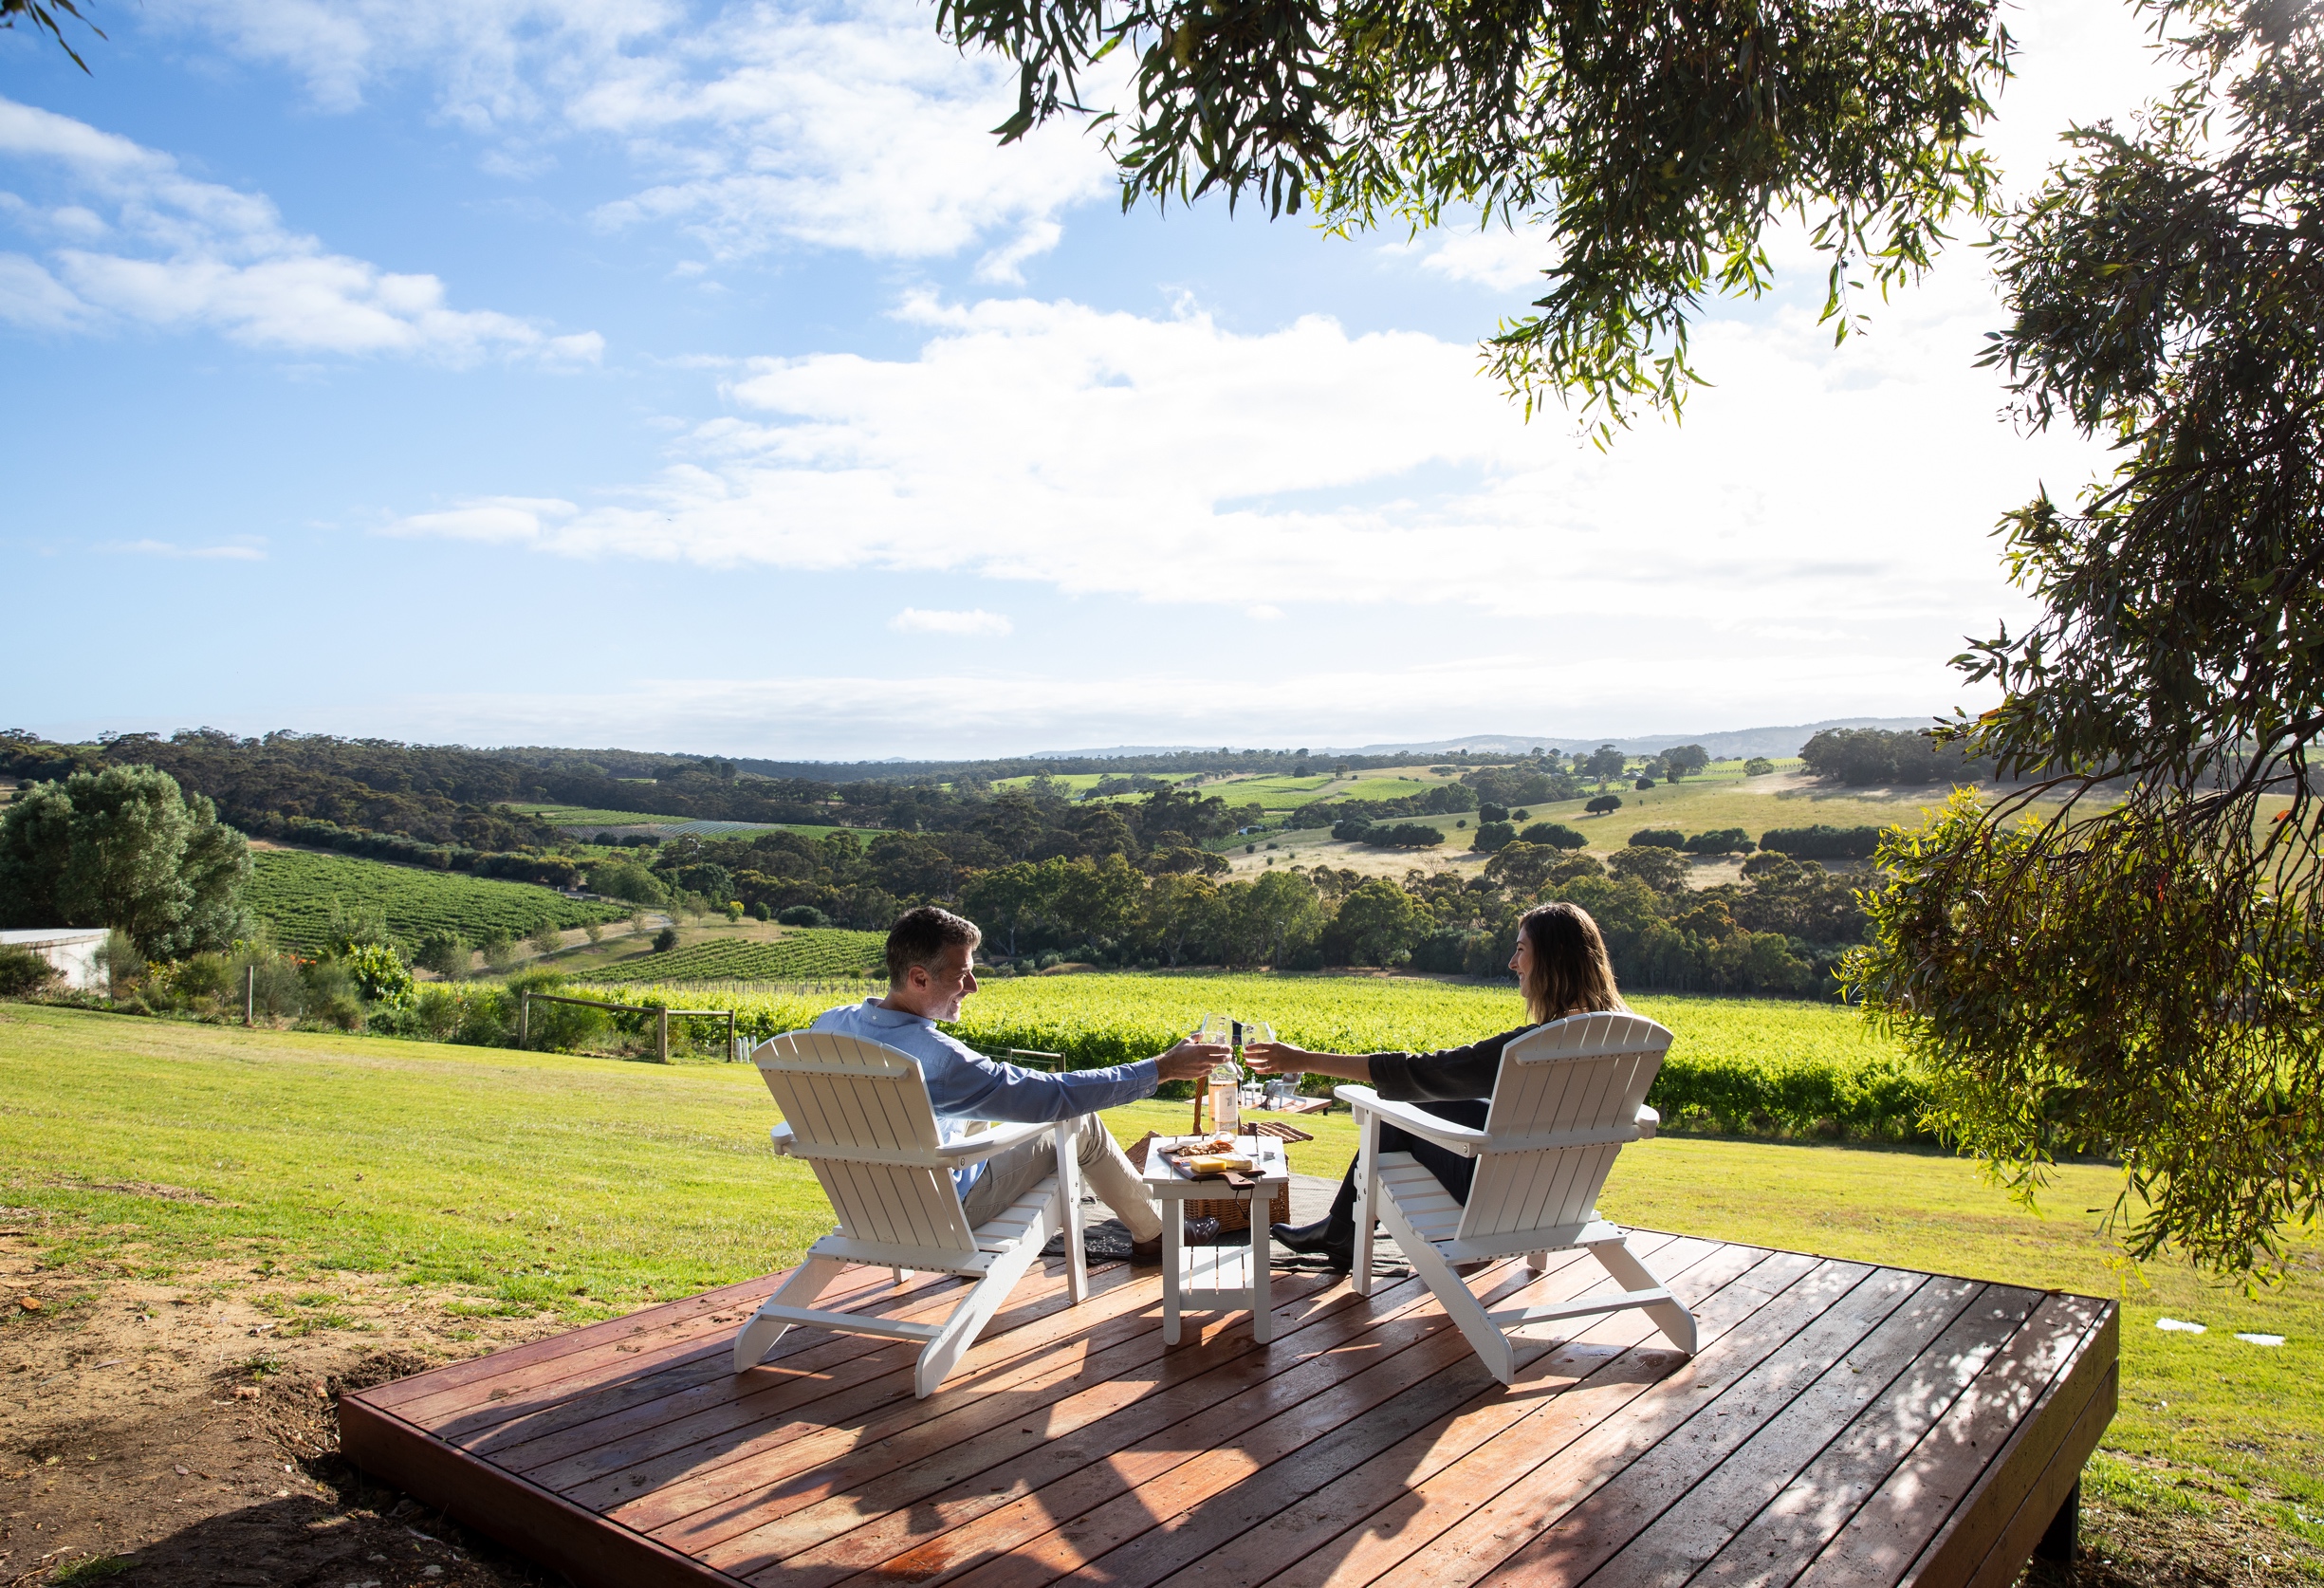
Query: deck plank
x=1536, y=1498
x=996, y=1507
x=1894, y=1535
x=1367, y=1525
x=1818, y=1504
x=1839, y=1424
x=1309, y=1399
x=779, y=1396
x=735, y=1496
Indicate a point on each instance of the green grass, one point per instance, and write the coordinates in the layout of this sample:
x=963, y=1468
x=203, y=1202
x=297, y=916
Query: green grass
x=796, y=956
x=293, y=888
x=587, y=1186
x=1274, y=793
x=580, y=816
x=564, y=815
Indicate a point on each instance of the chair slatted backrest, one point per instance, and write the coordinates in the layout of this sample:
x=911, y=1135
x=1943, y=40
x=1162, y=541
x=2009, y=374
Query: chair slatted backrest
x=1586, y=1074
x=860, y=1114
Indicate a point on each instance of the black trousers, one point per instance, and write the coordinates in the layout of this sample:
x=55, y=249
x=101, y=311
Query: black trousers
x=1453, y=1172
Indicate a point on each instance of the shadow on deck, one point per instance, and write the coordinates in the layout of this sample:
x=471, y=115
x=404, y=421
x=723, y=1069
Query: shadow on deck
x=1841, y=1424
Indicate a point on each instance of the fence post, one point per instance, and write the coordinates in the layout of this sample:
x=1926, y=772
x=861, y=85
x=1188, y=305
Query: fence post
x=249, y=993
x=730, y=1036
x=662, y=1033
x=524, y=1018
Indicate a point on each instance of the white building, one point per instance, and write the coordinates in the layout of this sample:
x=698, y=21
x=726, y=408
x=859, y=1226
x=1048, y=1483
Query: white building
x=72, y=950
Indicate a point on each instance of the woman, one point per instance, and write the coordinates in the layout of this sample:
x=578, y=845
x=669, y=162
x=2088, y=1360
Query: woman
x=1561, y=969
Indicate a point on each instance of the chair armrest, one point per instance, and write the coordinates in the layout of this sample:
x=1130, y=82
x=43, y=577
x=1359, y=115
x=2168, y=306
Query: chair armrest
x=782, y=1134
x=1649, y=1120
x=1413, y=1121
x=999, y=1139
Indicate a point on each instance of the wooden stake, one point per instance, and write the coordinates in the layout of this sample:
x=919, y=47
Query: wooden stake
x=249, y=993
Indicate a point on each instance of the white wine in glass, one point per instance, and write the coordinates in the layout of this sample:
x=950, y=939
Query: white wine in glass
x=1219, y=1030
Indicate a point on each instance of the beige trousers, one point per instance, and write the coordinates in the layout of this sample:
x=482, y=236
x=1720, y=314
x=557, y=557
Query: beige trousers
x=1104, y=1166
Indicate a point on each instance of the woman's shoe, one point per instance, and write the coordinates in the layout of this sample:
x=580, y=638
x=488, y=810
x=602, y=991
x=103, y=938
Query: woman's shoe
x=1330, y=1239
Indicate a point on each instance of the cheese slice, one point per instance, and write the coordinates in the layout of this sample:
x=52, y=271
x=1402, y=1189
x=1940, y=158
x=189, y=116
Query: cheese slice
x=1218, y=1163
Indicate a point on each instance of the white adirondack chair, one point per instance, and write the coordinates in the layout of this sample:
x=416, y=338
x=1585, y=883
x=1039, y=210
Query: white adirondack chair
x=859, y=1113
x=1569, y=1096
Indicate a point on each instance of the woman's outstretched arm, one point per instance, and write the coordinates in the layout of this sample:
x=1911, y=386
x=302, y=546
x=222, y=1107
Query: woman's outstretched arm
x=1282, y=1058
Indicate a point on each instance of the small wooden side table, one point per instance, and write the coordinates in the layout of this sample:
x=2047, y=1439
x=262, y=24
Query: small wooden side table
x=1222, y=1277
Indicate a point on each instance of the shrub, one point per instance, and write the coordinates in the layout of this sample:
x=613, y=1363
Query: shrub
x=436, y=1012
x=1643, y=783
x=1492, y=835
x=803, y=915
x=1404, y=835
x=1603, y=805
x=627, y=879
x=203, y=976
x=1492, y=813
x=443, y=952
x=1556, y=835
x=759, y=913
x=1352, y=827
x=545, y=938
x=1758, y=766
x=1659, y=869
x=23, y=972
x=1821, y=842
x=379, y=975
x=1727, y=841
x=499, y=950
x=1658, y=837
x=665, y=939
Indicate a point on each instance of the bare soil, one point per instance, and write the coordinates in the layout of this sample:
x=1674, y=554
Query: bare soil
x=170, y=1435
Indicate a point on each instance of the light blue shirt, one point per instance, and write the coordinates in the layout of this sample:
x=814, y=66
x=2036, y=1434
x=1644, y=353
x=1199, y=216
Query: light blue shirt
x=962, y=1084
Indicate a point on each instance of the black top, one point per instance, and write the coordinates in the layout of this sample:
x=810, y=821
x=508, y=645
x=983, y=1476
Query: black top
x=1444, y=1076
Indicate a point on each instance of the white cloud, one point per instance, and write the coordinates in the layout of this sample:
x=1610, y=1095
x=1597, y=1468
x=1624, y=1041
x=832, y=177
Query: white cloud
x=978, y=623
x=189, y=253
x=1173, y=460
x=760, y=125
x=490, y=518
x=1494, y=256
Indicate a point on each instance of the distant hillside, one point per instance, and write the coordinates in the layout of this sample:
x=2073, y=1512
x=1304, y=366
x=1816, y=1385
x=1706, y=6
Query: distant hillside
x=1723, y=745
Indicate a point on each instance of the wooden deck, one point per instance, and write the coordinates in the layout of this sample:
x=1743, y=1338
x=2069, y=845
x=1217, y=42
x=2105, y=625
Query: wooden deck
x=1841, y=1424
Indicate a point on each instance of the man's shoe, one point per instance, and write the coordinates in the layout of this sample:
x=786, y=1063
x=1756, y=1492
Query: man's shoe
x=1336, y=1244
x=1198, y=1232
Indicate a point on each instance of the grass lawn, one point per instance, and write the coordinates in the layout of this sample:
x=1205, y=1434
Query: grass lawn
x=585, y=1187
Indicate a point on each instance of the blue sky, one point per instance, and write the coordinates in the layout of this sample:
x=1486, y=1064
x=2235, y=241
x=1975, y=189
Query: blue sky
x=706, y=378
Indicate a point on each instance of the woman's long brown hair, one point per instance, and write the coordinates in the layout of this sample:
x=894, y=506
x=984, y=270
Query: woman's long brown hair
x=1571, y=972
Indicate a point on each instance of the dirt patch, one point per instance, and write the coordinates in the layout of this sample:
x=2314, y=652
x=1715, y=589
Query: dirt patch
x=187, y=1434
x=2124, y=1547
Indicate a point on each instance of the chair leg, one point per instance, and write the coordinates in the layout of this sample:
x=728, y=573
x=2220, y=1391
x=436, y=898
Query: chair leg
x=1452, y=1293
x=1674, y=1320
x=1069, y=1188
x=1367, y=1198
x=758, y=1337
x=1537, y=1262
x=942, y=1355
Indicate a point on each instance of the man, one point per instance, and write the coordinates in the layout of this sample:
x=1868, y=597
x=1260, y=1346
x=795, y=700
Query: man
x=931, y=955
